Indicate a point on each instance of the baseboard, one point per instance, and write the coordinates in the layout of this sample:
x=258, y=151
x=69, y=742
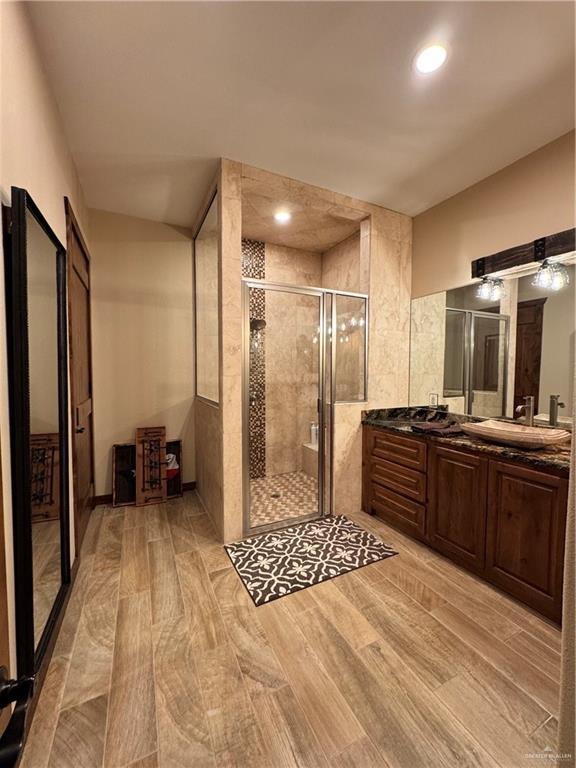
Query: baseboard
x=107, y=497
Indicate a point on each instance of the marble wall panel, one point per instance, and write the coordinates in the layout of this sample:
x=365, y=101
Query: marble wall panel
x=341, y=266
x=208, y=436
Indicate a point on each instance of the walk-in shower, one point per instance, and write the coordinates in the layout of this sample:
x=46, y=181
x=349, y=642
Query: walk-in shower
x=304, y=349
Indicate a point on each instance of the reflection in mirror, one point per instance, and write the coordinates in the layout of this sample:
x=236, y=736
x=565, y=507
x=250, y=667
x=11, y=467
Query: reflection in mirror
x=206, y=302
x=44, y=421
x=544, y=355
x=483, y=357
x=350, y=342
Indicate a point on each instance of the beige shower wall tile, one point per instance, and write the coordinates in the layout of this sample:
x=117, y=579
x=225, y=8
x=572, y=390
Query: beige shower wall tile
x=293, y=266
x=231, y=403
x=231, y=179
x=209, y=459
x=342, y=267
x=348, y=458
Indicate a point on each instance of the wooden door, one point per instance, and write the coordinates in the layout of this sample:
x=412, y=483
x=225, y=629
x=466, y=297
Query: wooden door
x=528, y=351
x=525, y=536
x=80, y=373
x=457, y=488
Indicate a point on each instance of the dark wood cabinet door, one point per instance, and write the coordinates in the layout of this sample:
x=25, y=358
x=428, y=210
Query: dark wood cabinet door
x=528, y=351
x=457, y=491
x=525, y=536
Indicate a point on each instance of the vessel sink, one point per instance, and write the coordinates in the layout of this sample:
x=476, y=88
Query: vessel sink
x=518, y=435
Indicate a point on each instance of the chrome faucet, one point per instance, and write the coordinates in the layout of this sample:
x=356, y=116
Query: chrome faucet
x=528, y=410
x=553, y=410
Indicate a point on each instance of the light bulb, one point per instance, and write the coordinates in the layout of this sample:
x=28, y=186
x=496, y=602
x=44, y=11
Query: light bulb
x=430, y=59
x=484, y=289
x=490, y=289
x=560, y=277
x=542, y=278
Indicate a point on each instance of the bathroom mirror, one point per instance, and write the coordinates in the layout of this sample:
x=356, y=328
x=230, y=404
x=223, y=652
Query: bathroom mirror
x=38, y=380
x=481, y=355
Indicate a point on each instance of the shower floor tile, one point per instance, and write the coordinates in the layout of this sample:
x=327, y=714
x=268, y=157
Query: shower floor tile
x=282, y=497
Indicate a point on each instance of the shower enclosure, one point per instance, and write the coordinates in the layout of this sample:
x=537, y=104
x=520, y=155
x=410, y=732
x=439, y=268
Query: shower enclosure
x=476, y=361
x=304, y=350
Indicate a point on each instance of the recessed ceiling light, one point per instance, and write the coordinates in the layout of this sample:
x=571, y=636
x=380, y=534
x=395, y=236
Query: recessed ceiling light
x=431, y=58
x=282, y=217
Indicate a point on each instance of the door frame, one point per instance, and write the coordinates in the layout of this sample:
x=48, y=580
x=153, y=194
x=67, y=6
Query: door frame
x=73, y=229
x=247, y=284
x=325, y=441
x=469, y=345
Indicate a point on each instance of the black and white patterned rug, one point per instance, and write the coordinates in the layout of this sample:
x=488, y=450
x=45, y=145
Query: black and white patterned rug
x=272, y=565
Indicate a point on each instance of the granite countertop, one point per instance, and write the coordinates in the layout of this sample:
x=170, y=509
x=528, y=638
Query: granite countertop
x=402, y=419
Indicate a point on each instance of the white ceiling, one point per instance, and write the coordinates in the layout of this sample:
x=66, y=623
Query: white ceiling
x=152, y=93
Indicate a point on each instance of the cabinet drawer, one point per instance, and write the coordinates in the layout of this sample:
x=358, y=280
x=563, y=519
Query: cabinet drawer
x=402, y=513
x=408, y=482
x=399, y=449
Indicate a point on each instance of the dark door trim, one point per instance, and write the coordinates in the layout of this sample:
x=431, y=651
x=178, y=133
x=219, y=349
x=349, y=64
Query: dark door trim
x=73, y=230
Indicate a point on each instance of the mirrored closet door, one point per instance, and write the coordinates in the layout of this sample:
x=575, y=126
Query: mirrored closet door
x=35, y=262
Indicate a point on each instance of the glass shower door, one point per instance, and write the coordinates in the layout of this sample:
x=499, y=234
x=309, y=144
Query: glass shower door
x=284, y=393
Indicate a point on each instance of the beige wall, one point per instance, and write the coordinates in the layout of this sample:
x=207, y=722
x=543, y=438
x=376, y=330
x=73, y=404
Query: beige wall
x=142, y=342
x=33, y=155
x=529, y=199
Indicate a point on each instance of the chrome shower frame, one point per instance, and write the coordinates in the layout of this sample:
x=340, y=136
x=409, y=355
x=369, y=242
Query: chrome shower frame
x=325, y=438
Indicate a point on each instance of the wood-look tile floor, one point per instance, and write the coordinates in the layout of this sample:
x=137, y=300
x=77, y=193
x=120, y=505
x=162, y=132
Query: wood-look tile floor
x=163, y=661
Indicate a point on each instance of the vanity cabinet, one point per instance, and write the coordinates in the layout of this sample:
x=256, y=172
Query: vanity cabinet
x=457, y=493
x=499, y=519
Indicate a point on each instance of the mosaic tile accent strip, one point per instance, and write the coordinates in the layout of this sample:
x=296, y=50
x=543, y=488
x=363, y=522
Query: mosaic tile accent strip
x=282, y=497
x=273, y=565
x=253, y=265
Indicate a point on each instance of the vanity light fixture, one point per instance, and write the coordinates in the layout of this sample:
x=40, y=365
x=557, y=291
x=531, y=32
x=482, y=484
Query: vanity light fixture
x=430, y=59
x=490, y=289
x=282, y=217
x=551, y=277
